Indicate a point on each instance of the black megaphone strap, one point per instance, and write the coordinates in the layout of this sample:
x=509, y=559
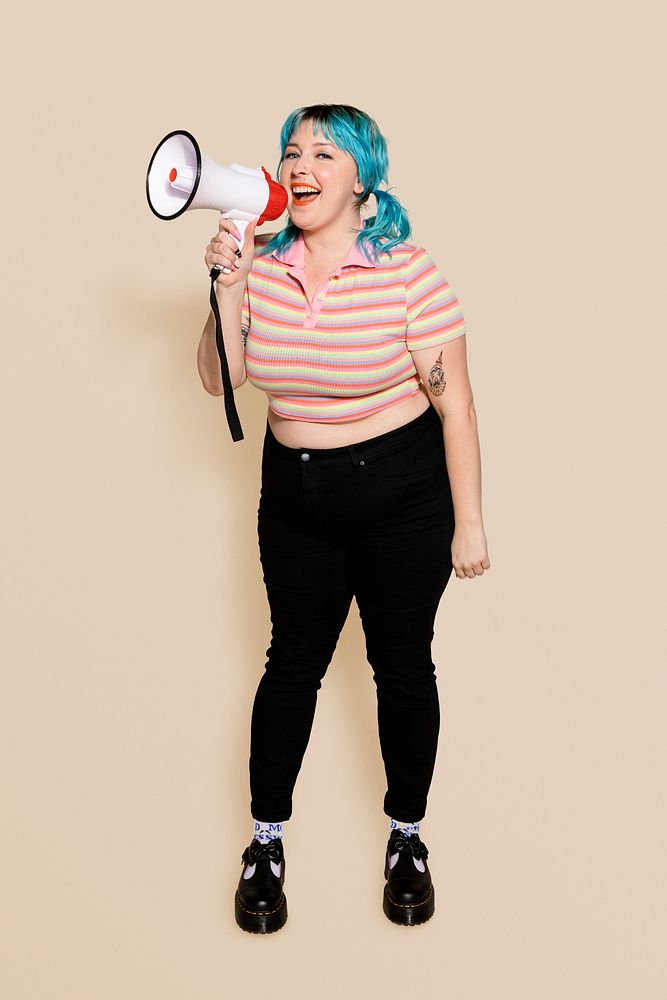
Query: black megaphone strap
x=230, y=407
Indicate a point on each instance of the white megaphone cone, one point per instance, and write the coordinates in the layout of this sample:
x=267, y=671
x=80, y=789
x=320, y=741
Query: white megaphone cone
x=181, y=178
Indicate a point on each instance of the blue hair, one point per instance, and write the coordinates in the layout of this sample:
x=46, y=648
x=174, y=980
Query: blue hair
x=357, y=133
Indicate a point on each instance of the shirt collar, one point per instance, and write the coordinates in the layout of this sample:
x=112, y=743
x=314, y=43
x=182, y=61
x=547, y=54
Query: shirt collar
x=294, y=256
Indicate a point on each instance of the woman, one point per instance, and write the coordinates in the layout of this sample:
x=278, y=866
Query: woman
x=371, y=483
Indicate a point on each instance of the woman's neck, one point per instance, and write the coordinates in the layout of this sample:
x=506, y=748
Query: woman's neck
x=331, y=244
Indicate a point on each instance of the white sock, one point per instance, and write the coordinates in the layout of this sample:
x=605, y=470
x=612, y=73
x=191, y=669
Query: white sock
x=407, y=828
x=264, y=832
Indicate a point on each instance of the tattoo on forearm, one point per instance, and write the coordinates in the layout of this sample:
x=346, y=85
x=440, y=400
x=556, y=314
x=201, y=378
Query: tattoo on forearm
x=436, y=378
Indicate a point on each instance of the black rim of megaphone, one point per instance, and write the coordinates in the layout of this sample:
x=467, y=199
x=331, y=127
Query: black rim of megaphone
x=184, y=208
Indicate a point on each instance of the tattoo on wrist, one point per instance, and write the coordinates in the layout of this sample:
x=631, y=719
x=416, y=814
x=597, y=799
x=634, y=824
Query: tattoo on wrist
x=436, y=378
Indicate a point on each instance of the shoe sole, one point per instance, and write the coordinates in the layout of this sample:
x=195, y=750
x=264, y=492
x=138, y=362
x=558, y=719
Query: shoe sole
x=408, y=914
x=260, y=921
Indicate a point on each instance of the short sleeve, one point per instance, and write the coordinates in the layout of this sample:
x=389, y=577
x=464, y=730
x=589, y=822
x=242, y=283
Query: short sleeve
x=434, y=315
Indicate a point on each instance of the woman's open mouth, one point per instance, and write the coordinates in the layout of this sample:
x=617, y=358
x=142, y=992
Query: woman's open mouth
x=304, y=194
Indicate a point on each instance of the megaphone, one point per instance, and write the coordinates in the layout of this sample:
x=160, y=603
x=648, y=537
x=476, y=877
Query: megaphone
x=180, y=178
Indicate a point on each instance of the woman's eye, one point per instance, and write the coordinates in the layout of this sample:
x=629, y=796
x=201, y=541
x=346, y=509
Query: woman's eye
x=287, y=155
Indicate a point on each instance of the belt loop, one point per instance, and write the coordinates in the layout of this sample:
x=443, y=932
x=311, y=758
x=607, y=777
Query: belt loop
x=353, y=455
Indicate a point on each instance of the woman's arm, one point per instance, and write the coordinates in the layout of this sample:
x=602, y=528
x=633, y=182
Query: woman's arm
x=230, y=302
x=444, y=374
x=464, y=465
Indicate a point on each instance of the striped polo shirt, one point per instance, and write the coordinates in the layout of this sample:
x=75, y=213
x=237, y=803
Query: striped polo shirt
x=346, y=354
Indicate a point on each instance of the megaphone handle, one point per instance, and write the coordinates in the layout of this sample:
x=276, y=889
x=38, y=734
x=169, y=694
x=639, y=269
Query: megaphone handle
x=230, y=408
x=241, y=226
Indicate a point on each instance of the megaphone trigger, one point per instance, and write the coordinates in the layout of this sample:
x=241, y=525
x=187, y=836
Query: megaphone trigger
x=241, y=225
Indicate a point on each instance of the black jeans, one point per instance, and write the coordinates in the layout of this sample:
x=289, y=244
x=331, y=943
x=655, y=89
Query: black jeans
x=373, y=520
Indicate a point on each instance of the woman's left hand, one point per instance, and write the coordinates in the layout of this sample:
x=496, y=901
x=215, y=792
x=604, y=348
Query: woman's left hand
x=469, y=552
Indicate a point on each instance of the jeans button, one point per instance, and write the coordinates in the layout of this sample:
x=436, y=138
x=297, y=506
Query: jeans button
x=305, y=456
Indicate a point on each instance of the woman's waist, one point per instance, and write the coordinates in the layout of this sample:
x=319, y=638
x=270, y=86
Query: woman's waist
x=309, y=434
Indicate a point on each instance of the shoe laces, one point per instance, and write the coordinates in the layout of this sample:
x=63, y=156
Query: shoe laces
x=256, y=851
x=410, y=845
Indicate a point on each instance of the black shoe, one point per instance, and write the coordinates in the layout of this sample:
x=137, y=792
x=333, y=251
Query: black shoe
x=409, y=896
x=260, y=905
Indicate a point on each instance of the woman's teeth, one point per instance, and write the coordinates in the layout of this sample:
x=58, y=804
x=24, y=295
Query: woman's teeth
x=305, y=197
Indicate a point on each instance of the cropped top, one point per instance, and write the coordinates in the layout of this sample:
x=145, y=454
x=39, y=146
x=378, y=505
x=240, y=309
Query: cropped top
x=346, y=354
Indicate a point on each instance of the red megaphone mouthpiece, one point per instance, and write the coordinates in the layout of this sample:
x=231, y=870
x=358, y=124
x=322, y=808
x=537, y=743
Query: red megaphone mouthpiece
x=277, y=202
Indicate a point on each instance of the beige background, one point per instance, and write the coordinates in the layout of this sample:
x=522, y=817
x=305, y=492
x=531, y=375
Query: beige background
x=524, y=140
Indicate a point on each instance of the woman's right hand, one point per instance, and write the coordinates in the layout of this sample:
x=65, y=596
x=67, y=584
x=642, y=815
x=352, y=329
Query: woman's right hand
x=222, y=250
